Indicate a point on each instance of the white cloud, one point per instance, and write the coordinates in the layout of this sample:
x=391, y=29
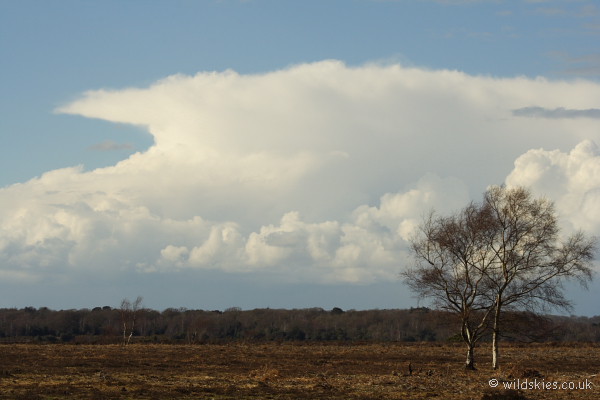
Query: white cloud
x=370, y=246
x=571, y=179
x=319, y=172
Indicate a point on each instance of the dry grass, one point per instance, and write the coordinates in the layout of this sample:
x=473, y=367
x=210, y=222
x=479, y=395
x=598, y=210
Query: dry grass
x=286, y=371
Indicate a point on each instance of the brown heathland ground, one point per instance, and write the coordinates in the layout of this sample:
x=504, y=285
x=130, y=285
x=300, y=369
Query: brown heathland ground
x=289, y=371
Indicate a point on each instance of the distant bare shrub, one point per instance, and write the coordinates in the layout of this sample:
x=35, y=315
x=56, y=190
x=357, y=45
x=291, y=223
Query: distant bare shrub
x=521, y=372
x=503, y=395
x=265, y=374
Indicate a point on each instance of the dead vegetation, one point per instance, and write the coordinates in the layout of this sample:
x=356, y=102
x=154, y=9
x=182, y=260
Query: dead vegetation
x=286, y=371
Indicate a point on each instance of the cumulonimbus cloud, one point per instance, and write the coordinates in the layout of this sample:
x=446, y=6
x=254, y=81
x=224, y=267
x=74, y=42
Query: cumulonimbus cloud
x=318, y=172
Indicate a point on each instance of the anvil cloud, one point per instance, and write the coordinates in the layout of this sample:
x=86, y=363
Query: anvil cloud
x=315, y=173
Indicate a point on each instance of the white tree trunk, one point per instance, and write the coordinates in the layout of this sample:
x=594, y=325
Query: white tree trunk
x=495, y=350
x=496, y=334
x=470, y=364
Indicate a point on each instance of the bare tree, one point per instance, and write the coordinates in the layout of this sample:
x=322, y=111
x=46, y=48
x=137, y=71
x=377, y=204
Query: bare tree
x=128, y=315
x=451, y=262
x=531, y=261
x=505, y=253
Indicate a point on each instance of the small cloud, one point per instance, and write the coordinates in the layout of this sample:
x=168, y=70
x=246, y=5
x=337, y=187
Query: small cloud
x=442, y=2
x=592, y=28
x=556, y=113
x=466, y=33
x=586, y=11
x=587, y=65
x=456, y=2
x=109, y=145
x=579, y=65
x=551, y=11
x=504, y=13
x=589, y=10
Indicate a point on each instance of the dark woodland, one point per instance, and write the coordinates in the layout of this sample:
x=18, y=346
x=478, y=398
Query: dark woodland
x=105, y=325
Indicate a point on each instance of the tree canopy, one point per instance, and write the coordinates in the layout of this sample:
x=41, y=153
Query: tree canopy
x=505, y=252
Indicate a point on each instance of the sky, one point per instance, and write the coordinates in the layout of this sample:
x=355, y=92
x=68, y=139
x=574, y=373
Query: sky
x=214, y=154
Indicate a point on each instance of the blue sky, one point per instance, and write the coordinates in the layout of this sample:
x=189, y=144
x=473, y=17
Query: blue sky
x=86, y=85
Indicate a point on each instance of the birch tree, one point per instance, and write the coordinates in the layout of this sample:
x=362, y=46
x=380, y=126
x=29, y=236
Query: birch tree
x=505, y=253
x=128, y=316
x=451, y=262
x=531, y=260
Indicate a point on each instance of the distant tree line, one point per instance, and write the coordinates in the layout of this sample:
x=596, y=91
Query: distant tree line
x=105, y=325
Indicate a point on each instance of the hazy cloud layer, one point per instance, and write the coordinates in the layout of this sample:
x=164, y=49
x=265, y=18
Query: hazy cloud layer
x=557, y=113
x=315, y=173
